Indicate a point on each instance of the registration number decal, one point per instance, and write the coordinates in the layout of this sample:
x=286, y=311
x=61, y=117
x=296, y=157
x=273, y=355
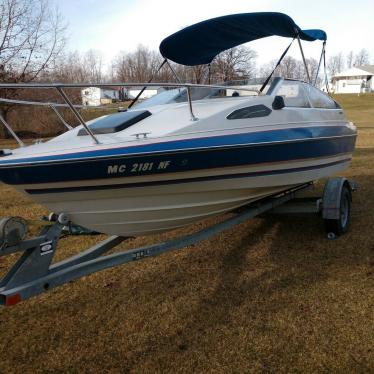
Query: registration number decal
x=137, y=167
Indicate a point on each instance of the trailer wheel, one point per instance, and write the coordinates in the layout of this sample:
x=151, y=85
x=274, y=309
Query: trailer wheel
x=336, y=227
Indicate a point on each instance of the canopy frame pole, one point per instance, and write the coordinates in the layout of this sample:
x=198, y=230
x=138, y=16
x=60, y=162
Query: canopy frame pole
x=302, y=55
x=58, y=114
x=77, y=114
x=319, y=64
x=193, y=118
x=173, y=71
x=9, y=128
x=149, y=81
x=325, y=71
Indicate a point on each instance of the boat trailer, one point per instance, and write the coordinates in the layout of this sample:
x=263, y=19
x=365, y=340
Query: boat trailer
x=33, y=273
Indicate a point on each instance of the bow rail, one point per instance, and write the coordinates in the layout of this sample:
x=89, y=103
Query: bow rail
x=59, y=87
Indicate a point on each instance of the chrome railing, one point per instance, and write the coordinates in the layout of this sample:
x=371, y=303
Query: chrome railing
x=59, y=87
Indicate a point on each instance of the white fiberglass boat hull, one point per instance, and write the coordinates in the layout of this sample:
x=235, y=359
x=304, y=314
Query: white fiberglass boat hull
x=134, y=211
x=176, y=171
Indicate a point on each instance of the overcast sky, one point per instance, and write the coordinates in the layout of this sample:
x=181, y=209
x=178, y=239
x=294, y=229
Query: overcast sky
x=114, y=25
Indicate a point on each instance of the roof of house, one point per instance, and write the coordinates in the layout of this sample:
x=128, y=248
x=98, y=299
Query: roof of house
x=356, y=71
x=369, y=68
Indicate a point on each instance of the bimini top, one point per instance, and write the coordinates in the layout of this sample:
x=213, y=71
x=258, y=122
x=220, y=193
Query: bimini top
x=200, y=43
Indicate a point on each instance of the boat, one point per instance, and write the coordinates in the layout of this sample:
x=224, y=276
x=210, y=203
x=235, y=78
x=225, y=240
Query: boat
x=193, y=151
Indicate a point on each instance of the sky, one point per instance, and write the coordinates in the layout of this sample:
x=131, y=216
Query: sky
x=112, y=26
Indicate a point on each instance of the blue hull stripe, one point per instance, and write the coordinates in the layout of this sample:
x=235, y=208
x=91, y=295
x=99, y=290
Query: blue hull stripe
x=289, y=134
x=181, y=181
x=182, y=161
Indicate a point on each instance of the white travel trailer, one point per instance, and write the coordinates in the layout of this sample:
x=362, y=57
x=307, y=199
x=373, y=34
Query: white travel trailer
x=96, y=96
x=133, y=92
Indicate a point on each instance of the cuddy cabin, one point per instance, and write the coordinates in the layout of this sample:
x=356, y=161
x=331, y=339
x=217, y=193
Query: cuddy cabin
x=166, y=117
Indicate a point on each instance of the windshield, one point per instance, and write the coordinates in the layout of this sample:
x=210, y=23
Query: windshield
x=238, y=88
x=302, y=95
x=165, y=97
x=179, y=95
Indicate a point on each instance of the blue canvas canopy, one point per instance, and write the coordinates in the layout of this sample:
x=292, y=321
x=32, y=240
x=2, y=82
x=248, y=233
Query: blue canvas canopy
x=200, y=43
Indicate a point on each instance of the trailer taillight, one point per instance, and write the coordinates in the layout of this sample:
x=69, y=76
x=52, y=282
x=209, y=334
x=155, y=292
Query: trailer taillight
x=12, y=299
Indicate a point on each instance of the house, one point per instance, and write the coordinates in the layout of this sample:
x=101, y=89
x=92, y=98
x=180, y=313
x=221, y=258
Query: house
x=358, y=79
x=95, y=96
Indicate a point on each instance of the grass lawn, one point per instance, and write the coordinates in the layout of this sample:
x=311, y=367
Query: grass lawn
x=269, y=295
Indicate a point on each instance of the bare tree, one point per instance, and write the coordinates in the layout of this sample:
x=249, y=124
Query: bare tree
x=362, y=57
x=76, y=67
x=289, y=68
x=350, y=59
x=93, y=66
x=32, y=35
x=142, y=64
x=292, y=68
x=234, y=63
x=312, y=65
x=68, y=67
x=335, y=64
x=197, y=74
x=137, y=66
x=265, y=70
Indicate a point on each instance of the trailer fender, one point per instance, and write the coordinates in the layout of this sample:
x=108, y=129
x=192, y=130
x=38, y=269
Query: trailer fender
x=332, y=196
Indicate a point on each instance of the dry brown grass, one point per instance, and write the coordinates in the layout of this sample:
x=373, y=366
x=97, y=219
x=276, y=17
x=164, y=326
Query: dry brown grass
x=359, y=108
x=40, y=122
x=270, y=295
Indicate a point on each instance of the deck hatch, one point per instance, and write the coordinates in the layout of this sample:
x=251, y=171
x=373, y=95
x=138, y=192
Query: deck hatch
x=116, y=122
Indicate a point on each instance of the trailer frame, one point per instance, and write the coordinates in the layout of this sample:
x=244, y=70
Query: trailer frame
x=33, y=273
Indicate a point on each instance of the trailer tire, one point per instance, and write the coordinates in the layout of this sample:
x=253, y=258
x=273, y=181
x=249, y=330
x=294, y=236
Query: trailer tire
x=341, y=225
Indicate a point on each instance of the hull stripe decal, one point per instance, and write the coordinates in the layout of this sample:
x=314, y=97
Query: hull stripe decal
x=194, y=144
x=179, y=181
